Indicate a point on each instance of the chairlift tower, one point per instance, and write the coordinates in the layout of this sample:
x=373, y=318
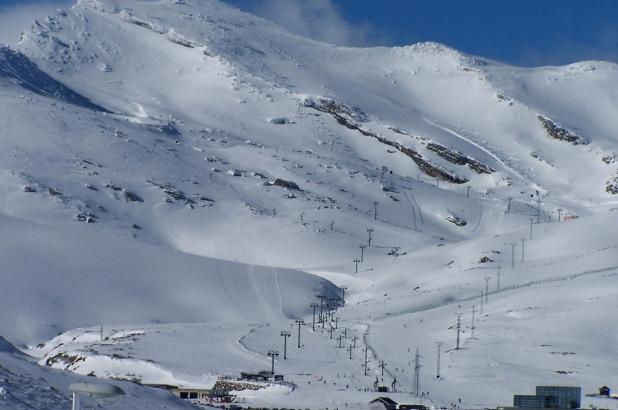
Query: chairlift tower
x=299, y=322
x=285, y=334
x=362, y=248
x=272, y=354
x=369, y=231
x=314, y=306
x=322, y=297
x=356, y=262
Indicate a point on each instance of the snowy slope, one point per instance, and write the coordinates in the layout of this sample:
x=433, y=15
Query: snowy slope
x=170, y=167
x=56, y=280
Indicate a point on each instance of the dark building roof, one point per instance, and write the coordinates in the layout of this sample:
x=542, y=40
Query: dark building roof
x=386, y=400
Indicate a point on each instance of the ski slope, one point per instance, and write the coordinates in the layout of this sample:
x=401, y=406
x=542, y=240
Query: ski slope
x=64, y=279
x=191, y=175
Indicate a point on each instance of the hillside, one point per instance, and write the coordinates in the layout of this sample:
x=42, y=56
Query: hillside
x=199, y=175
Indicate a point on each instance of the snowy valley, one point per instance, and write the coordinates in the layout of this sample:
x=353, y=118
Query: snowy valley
x=181, y=182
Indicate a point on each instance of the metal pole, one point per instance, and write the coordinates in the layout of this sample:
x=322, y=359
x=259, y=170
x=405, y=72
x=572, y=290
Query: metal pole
x=531, y=221
x=481, y=302
x=417, y=374
x=350, y=350
x=458, y=329
x=538, y=207
x=299, y=322
x=365, y=360
x=369, y=231
x=439, y=345
x=362, y=248
x=322, y=308
x=356, y=261
x=313, y=305
x=513, y=255
x=473, y=316
x=285, y=334
x=273, y=354
x=487, y=289
x=375, y=210
x=523, y=241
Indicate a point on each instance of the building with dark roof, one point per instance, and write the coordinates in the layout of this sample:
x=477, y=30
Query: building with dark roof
x=383, y=403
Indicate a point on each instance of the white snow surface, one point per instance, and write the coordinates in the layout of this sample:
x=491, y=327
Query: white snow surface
x=191, y=177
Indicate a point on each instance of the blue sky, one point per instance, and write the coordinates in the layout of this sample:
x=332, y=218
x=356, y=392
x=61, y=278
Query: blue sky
x=522, y=32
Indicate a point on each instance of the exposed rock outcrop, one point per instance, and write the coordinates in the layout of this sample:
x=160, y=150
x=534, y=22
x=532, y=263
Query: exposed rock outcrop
x=348, y=117
x=555, y=131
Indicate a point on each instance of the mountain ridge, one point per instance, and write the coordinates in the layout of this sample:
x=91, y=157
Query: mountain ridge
x=236, y=171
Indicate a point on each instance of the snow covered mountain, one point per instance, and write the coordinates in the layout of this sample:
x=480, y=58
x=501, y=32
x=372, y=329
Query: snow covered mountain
x=176, y=168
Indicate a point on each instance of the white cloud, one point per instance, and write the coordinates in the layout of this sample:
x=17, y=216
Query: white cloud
x=14, y=19
x=317, y=19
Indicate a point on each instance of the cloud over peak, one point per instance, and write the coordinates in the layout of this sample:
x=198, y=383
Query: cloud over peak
x=317, y=19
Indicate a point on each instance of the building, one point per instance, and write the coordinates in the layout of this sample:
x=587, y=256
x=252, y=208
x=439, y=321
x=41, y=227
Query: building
x=561, y=397
x=204, y=395
x=412, y=407
x=550, y=397
x=383, y=403
x=262, y=376
x=191, y=394
x=604, y=391
x=529, y=401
